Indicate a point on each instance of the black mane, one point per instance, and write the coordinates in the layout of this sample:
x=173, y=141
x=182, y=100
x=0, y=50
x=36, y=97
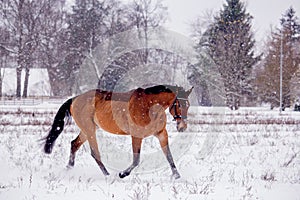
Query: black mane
x=163, y=88
x=157, y=89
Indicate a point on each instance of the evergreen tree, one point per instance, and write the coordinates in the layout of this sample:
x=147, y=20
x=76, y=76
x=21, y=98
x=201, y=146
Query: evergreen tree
x=268, y=80
x=231, y=43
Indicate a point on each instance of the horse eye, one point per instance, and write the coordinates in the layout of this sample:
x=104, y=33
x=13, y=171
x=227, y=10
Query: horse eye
x=186, y=104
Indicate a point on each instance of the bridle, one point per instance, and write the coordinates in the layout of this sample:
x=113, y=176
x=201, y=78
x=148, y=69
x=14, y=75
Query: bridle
x=175, y=103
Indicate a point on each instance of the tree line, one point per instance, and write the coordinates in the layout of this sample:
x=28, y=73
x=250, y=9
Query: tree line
x=49, y=34
x=227, y=45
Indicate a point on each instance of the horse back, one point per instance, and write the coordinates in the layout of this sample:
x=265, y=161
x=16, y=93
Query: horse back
x=133, y=112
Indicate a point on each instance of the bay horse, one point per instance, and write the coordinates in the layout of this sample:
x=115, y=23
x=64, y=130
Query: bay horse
x=138, y=113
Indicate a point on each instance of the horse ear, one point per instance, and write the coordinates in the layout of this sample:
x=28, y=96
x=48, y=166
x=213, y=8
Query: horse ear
x=188, y=92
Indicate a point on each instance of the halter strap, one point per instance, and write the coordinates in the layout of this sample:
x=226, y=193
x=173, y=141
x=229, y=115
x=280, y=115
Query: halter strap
x=180, y=98
x=176, y=116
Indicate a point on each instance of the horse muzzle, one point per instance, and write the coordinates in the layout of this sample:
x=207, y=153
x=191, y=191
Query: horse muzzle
x=181, y=126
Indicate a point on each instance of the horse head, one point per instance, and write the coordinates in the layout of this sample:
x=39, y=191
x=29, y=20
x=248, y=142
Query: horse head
x=179, y=108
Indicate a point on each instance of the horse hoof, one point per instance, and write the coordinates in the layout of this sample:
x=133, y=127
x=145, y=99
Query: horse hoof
x=70, y=166
x=123, y=174
x=176, y=176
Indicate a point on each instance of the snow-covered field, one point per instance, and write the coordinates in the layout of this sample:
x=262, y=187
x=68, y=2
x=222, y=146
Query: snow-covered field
x=253, y=153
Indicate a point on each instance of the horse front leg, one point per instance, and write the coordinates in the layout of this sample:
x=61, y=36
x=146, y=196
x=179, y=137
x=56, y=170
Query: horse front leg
x=136, y=148
x=163, y=140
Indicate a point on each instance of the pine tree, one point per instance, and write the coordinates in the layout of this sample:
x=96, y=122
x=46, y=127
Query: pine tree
x=231, y=43
x=268, y=80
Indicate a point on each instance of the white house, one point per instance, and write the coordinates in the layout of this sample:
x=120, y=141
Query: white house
x=38, y=85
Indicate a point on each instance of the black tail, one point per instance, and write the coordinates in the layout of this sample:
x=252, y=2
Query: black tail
x=57, y=126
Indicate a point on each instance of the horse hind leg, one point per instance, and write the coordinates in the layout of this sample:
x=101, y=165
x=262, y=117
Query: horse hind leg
x=163, y=140
x=96, y=155
x=136, y=148
x=88, y=128
x=75, y=145
x=95, y=152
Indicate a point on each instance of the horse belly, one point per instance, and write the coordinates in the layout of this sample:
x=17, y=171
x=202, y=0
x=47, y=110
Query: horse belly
x=112, y=118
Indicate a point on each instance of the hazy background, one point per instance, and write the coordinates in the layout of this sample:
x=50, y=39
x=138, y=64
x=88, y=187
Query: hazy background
x=265, y=13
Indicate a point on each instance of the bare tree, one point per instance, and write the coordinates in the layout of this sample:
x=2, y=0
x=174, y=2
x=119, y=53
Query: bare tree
x=205, y=73
x=146, y=15
x=11, y=20
x=24, y=20
x=52, y=46
x=268, y=77
x=4, y=56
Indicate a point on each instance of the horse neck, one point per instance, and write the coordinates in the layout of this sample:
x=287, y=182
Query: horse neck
x=163, y=99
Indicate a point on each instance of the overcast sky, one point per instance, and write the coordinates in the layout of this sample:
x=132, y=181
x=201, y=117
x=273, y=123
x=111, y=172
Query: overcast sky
x=265, y=13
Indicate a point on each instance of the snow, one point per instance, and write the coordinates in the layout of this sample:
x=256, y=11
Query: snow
x=252, y=153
